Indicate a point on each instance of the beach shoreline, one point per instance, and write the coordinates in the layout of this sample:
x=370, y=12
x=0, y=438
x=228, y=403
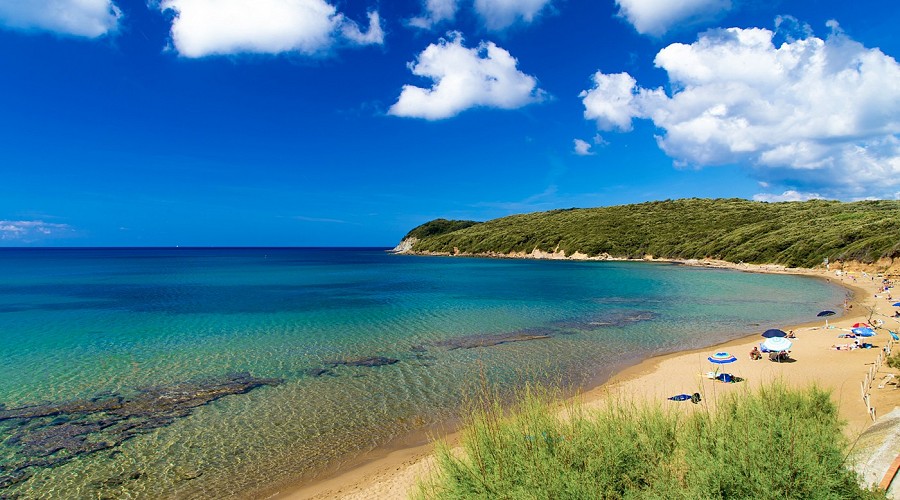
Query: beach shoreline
x=393, y=472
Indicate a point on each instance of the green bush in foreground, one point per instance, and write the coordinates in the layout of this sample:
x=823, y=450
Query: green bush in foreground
x=773, y=443
x=894, y=361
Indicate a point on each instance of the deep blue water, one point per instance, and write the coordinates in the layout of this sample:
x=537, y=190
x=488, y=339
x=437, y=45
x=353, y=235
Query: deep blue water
x=78, y=323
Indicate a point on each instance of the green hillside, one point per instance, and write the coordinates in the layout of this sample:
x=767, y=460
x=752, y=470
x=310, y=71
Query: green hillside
x=797, y=234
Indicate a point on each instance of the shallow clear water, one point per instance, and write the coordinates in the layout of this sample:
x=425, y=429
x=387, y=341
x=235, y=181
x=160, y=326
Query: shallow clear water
x=77, y=323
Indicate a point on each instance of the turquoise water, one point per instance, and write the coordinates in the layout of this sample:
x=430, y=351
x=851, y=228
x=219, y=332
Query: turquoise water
x=80, y=323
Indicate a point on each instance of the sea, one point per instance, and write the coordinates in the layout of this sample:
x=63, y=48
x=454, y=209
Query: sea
x=239, y=372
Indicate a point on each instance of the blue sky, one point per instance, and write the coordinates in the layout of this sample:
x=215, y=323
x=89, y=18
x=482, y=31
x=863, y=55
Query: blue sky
x=327, y=123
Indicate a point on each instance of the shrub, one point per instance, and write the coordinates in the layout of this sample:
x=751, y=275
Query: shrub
x=773, y=443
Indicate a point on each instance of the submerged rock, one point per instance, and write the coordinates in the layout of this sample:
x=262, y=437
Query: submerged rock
x=473, y=341
x=565, y=327
x=317, y=372
x=615, y=319
x=54, y=433
x=369, y=361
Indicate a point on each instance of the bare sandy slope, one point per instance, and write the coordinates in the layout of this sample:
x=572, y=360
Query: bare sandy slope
x=395, y=474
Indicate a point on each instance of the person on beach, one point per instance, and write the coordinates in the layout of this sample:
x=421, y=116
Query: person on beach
x=755, y=354
x=791, y=335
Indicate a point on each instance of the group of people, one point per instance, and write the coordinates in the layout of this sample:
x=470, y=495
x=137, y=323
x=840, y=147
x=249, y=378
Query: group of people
x=756, y=354
x=857, y=344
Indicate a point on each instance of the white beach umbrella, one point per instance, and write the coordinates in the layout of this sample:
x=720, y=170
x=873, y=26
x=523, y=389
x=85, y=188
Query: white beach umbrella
x=777, y=344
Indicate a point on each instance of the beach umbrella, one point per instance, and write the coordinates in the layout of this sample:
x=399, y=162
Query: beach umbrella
x=774, y=332
x=722, y=358
x=861, y=325
x=776, y=344
x=896, y=304
x=825, y=314
x=863, y=332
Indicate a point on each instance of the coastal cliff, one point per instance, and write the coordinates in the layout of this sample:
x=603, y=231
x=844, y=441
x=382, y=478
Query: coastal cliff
x=860, y=235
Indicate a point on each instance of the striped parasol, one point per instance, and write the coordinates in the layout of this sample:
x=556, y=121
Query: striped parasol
x=722, y=358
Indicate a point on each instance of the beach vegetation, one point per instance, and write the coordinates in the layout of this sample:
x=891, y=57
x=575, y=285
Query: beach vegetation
x=893, y=361
x=438, y=227
x=794, y=234
x=775, y=442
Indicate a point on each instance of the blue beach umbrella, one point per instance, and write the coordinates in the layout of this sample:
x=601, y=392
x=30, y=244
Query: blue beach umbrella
x=896, y=304
x=776, y=344
x=721, y=358
x=863, y=332
x=825, y=314
x=774, y=332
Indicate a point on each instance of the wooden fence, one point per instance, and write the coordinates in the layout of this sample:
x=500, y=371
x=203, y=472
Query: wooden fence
x=866, y=385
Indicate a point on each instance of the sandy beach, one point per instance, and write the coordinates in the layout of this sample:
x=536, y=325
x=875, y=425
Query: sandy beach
x=394, y=474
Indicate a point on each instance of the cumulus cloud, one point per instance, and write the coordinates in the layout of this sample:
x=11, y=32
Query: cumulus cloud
x=582, y=148
x=497, y=15
x=436, y=11
x=221, y=27
x=465, y=78
x=823, y=112
x=86, y=18
x=789, y=195
x=656, y=17
x=29, y=231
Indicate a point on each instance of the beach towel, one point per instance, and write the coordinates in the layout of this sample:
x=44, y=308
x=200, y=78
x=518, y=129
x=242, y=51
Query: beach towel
x=893, y=335
x=694, y=398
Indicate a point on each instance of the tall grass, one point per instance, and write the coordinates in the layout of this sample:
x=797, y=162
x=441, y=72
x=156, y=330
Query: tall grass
x=773, y=443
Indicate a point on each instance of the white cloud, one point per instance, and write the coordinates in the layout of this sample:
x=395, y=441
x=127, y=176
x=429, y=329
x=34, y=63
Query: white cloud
x=465, y=78
x=655, y=17
x=304, y=218
x=611, y=102
x=501, y=14
x=789, y=195
x=87, y=18
x=220, y=27
x=374, y=36
x=27, y=231
x=497, y=15
x=821, y=112
x=436, y=11
x=582, y=148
